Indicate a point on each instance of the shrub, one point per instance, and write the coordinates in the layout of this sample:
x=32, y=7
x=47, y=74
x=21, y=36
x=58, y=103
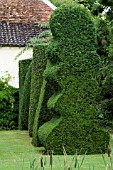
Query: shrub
x=38, y=113
x=23, y=67
x=38, y=66
x=40, y=92
x=43, y=114
x=26, y=99
x=73, y=67
x=9, y=99
x=105, y=72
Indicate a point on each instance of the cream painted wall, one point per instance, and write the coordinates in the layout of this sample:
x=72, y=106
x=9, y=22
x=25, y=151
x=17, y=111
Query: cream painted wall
x=8, y=64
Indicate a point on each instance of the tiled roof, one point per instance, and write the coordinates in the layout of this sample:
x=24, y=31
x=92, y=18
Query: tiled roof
x=25, y=11
x=17, y=18
x=17, y=34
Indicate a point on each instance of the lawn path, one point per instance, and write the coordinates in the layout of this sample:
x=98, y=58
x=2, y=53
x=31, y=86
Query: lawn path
x=16, y=148
x=16, y=153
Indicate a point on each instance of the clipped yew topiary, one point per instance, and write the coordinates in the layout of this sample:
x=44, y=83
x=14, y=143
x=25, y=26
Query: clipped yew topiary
x=23, y=68
x=43, y=114
x=26, y=99
x=73, y=67
x=38, y=66
x=41, y=90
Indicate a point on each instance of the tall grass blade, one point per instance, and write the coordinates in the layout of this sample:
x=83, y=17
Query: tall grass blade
x=59, y=160
x=23, y=164
x=76, y=162
x=41, y=163
x=32, y=164
x=109, y=151
x=108, y=167
x=82, y=160
x=65, y=158
x=93, y=167
x=73, y=162
x=78, y=167
x=51, y=160
x=35, y=168
x=104, y=160
x=89, y=167
x=111, y=163
x=45, y=161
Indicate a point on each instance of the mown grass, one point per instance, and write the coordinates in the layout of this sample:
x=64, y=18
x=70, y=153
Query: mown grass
x=17, y=153
x=16, y=148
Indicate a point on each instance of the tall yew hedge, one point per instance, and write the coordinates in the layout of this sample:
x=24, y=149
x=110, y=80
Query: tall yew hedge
x=26, y=98
x=38, y=66
x=23, y=68
x=41, y=90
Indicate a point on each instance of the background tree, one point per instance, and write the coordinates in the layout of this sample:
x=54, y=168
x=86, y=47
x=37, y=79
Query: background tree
x=105, y=50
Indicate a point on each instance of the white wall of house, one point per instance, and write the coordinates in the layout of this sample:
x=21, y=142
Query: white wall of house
x=9, y=65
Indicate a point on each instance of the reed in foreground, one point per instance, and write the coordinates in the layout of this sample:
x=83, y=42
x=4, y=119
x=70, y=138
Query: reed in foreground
x=77, y=162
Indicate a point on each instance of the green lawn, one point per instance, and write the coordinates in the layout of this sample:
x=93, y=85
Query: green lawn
x=16, y=153
x=15, y=150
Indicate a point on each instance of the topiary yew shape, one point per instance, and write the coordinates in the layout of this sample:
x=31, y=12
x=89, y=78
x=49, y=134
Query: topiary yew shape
x=23, y=69
x=73, y=66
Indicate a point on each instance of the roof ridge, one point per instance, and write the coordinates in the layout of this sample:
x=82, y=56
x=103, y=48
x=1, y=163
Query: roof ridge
x=50, y=4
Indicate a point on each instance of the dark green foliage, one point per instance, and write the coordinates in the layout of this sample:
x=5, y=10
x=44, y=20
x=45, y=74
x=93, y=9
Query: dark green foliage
x=39, y=112
x=23, y=67
x=26, y=99
x=97, y=9
x=38, y=66
x=107, y=95
x=16, y=106
x=104, y=49
x=43, y=114
x=103, y=39
x=108, y=70
x=87, y=3
x=106, y=4
x=74, y=64
x=8, y=106
x=58, y=3
x=78, y=137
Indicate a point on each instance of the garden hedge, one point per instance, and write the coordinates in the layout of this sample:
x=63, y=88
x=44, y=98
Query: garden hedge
x=43, y=114
x=38, y=66
x=73, y=67
x=23, y=68
x=26, y=99
x=38, y=113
